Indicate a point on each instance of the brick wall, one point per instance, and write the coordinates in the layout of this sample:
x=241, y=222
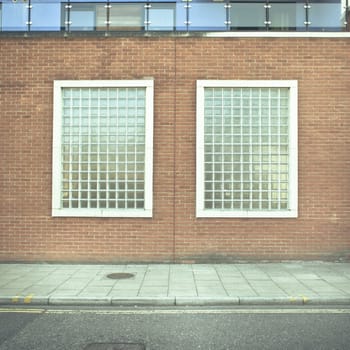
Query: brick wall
x=27, y=70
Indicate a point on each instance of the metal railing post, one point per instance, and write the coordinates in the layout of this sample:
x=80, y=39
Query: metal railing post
x=187, y=7
x=267, y=15
x=307, y=7
x=147, y=22
x=29, y=15
x=67, y=21
x=108, y=7
x=347, y=16
x=228, y=15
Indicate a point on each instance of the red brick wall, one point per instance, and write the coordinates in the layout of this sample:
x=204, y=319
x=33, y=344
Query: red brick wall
x=28, y=67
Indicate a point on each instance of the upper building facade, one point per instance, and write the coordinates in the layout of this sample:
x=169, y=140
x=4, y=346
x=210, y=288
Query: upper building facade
x=174, y=131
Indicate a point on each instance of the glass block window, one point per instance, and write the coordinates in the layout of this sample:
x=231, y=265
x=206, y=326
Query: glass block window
x=247, y=149
x=102, y=155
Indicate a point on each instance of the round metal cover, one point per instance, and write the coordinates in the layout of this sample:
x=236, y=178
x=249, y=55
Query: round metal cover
x=120, y=275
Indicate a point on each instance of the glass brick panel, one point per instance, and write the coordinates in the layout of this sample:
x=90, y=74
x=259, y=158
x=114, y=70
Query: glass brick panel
x=246, y=143
x=103, y=148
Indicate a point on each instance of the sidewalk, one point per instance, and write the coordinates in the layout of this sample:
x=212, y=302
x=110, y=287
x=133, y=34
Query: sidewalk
x=290, y=283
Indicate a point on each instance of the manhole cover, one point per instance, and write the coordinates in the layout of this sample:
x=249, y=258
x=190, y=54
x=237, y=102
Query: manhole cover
x=120, y=275
x=115, y=346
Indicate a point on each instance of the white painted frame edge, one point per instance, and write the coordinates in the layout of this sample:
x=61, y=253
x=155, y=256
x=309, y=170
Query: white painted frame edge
x=147, y=212
x=293, y=147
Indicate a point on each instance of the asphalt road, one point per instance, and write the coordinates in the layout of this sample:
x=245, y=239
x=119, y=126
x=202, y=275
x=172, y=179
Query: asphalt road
x=177, y=328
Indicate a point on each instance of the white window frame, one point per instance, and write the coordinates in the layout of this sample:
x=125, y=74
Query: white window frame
x=292, y=212
x=57, y=210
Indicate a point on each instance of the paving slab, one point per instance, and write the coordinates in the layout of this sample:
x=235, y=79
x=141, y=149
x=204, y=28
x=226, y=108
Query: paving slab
x=153, y=291
x=123, y=293
x=183, y=293
x=66, y=293
x=237, y=293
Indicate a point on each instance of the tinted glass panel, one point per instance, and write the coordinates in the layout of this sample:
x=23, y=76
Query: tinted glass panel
x=14, y=16
x=45, y=15
x=161, y=17
x=206, y=16
x=325, y=16
x=82, y=17
x=283, y=16
x=248, y=16
x=126, y=17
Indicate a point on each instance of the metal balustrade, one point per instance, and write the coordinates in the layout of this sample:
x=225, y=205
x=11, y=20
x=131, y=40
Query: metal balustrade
x=173, y=16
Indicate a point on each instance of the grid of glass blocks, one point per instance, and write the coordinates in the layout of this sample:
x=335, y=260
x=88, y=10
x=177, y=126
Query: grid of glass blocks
x=103, y=148
x=246, y=148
